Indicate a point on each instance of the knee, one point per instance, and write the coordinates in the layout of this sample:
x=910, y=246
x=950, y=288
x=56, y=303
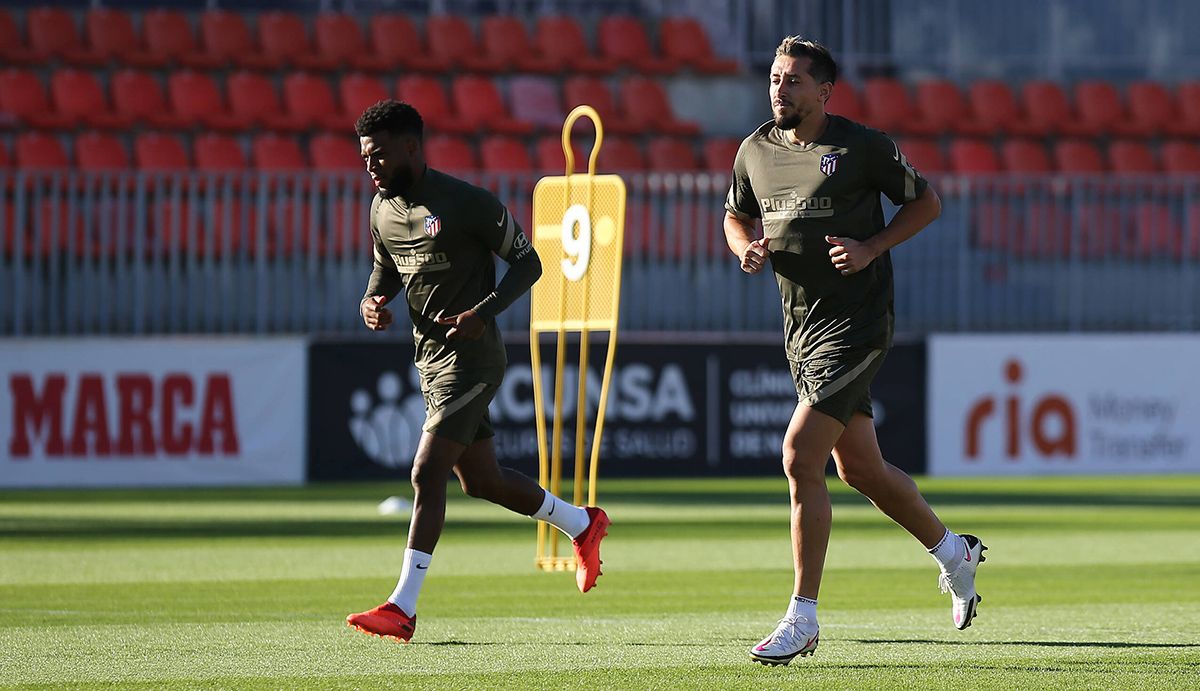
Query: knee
x=425, y=476
x=863, y=478
x=476, y=487
x=800, y=470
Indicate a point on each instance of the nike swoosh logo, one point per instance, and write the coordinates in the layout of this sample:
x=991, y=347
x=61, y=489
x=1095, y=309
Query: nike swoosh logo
x=551, y=511
x=503, y=215
x=968, y=555
x=896, y=155
x=421, y=567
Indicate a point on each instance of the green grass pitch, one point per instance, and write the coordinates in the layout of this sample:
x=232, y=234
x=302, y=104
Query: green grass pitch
x=1090, y=583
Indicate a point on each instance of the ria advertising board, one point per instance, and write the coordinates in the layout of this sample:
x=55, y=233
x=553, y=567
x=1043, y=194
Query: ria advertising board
x=145, y=412
x=1063, y=404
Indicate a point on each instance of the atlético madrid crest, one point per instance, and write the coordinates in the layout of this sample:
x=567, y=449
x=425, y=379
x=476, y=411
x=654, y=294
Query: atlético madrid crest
x=433, y=225
x=829, y=163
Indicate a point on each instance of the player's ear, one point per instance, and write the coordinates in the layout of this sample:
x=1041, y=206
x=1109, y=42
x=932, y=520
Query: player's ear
x=825, y=90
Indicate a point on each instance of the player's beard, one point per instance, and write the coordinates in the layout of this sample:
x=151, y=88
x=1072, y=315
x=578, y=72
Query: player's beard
x=788, y=122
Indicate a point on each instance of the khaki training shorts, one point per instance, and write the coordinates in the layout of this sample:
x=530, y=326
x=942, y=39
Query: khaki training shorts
x=457, y=408
x=838, y=385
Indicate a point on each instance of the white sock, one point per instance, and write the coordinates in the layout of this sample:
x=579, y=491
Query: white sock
x=568, y=518
x=416, y=565
x=949, y=551
x=803, y=607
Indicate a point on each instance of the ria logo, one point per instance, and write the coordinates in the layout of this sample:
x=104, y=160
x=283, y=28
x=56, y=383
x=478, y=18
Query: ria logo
x=387, y=429
x=1050, y=423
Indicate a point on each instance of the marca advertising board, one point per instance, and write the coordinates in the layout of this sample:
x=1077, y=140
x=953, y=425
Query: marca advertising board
x=679, y=408
x=1063, y=404
x=99, y=412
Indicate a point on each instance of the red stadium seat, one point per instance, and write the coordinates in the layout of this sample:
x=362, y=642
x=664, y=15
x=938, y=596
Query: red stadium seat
x=620, y=154
x=13, y=47
x=450, y=153
x=98, y=151
x=1131, y=156
x=561, y=40
x=1188, y=95
x=671, y=153
x=285, y=42
x=254, y=102
x=111, y=37
x=358, y=92
x=23, y=98
x=536, y=100
x=684, y=42
x=508, y=46
x=1050, y=111
x=1158, y=234
x=996, y=109
x=450, y=39
x=429, y=98
x=1191, y=232
x=53, y=35
x=197, y=99
x=1103, y=230
x=500, y=154
x=623, y=40
x=38, y=150
x=277, y=153
x=648, y=108
x=1022, y=155
x=1047, y=231
x=549, y=158
x=226, y=40
x=157, y=152
x=924, y=154
x=719, y=152
x=997, y=226
x=334, y=153
x=170, y=39
x=1152, y=109
x=1180, y=157
x=942, y=106
x=845, y=101
x=78, y=96
x=139, y=97
x=973, y=156
x=478, y=102
x=309, y=99
x=214, y=153
x=340, y=42
x=1077, y=156
x=890, y=108
x=594, y=92
x=5, y=158
x=396, y=41
x=1100, y=107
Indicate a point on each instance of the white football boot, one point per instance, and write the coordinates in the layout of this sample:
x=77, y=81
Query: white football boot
x=960, y=583
x=793, y=636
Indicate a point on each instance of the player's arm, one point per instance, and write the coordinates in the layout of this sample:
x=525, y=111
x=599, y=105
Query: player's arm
x=741, y=209
x=383, y=285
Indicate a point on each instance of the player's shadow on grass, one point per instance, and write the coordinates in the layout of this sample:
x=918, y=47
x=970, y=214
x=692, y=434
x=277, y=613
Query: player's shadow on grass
x=1043, y=644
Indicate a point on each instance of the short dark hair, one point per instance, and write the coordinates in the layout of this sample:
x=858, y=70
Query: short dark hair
x=390, y=116
x=822, y=68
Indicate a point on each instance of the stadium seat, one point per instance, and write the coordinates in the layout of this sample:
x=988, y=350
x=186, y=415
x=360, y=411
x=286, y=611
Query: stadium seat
x=215, y=153
x=1180, y=156
x=501, y=154
x=39, y=150
x=890, y=108
x=622, y=39
x=942, y=106
x=339, y=40
x=285, y=43
x=846, y=102
x=594, y=91
x=159, y=153
x=450, y=153
x=226, y=40
x=197, y=99
x=1191, y=232
x=1047, y=232
x=620, y=154
x=997, y=226
x=719, y=152
x=1188, y=95
x=5, y=157
x=1102, y=230
x=98, y=151
x=685, y=43
x=1050, y=111
x=358, y=91
x=426, y=94
x=973, y=156
x=508, y=46
x=536, y=100
x=139, y=97
x=672, y=154
x=1024, y=155
x=77, y=95
x=254, y=102
x=170, y=39
x=112, y=38
x=60, y=227
x=478, y=102
x=1131, y=156
x=1077, y=156
x=309, y=99
x=1100, y=107
x=335, y=153
x=1152, y=109
x=53, y=35
x=997, y=110
x=450, y=39
x=549, y=158
x=1157, y=233
x=14, y=50
x=277, y=153
x=924, y=154
x=23, y=99
x=561, y=40
x=647, y=107
x=396, y=41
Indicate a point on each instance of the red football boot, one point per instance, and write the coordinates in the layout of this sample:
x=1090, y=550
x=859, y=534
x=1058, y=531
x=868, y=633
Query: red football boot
x=386, y=620
x=587, y=549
